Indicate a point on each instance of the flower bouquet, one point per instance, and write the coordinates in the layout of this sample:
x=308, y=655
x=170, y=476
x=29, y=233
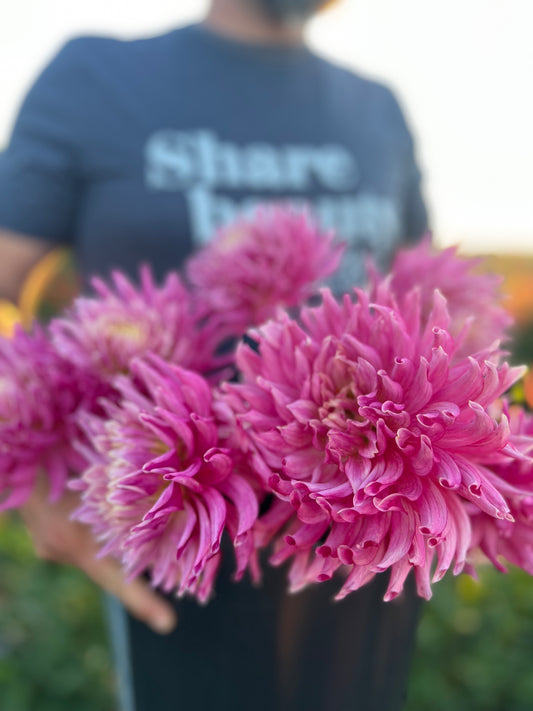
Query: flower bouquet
x=221, y=415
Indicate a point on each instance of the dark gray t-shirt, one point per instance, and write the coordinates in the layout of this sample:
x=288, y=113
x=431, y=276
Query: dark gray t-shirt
x=137, y=150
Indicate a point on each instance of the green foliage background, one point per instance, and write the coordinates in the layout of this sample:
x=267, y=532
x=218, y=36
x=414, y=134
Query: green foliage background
x=474, y=651
x=53, y=649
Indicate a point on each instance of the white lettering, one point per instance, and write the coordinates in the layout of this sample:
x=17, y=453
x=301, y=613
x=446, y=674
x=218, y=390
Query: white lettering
x=208, y=212
x=219, y=164
x=336, y=168
x=263, y=168
x=298, y=165
x=178, y=160
x=169, y=164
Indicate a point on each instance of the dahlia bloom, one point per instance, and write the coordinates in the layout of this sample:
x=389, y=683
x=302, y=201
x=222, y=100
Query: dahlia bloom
x=375, y=438
x=121, y=321
x=272, y=259
x=162, y=488
x=501, y=539
x=40, y=394
x=473, y=300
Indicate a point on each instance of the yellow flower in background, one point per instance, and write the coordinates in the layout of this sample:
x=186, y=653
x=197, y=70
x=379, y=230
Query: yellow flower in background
x=50, y=283
x=44, y=279
x=9, y=316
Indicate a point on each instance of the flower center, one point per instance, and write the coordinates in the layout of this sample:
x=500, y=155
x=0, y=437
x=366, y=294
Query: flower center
x=231, y=238
x=340, y=408
x=127, y=331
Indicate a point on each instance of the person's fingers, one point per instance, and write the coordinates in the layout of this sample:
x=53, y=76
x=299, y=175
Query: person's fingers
x=57, y=538
x=136, y=596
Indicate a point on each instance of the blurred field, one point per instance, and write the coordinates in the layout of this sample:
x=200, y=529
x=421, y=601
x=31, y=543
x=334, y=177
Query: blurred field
x=53, y=650
x=474, y=650
x=475, y=647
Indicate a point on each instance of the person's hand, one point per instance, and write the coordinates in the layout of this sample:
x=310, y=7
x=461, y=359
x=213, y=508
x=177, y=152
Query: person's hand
x=57, y=538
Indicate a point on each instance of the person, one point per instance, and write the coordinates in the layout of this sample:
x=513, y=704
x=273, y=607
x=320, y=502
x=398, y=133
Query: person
x=132, y=151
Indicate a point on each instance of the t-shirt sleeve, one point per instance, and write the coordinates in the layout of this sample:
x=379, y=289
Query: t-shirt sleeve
x=415, y=220
x=39, y=173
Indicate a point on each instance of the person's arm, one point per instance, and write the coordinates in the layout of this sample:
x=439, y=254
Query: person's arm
x=59, y=539
x=18, y=254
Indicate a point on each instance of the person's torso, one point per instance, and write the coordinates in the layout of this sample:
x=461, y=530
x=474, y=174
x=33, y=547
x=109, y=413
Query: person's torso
x=184, y=131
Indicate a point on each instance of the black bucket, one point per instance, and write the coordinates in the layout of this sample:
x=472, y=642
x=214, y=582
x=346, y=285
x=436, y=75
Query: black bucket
x=261, y=649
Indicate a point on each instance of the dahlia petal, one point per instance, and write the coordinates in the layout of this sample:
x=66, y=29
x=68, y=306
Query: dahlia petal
x=358, y=577
x=241, y=494
x=297, y=572
x=170, y=500
x=220, y=466
x=423, y=583
x=357, y=471
x=303, y=410
x=421, y=389
x=309, y=511
x=409, y=487
x=384, y=472
x=433, y=511
x=465, y=382
x=179, y=429
x=210, y=571
x=186, y=523
x=273, y=520
x=401, y=529
x=476, y=488
x=216, y=507
x=399, y=572
x=307, y=534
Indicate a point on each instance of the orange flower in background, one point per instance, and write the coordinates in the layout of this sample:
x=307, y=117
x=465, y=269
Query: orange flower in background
x=520, y=296
x=518, y=278
x=528, y=387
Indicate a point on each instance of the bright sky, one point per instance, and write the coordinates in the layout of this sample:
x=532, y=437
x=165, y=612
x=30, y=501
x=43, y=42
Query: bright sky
x=462, y=68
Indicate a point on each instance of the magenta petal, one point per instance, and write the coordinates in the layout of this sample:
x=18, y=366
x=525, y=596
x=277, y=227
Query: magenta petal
x=241, y=494
x=216, y=507
x=433, y=511
x=399, y=573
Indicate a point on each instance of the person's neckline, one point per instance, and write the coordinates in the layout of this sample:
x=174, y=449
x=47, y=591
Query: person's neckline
x=232, y=45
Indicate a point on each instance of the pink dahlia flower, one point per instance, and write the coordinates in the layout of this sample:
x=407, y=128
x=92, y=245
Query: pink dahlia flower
x=40, y=394
x=122, y=321
x=273, y=259
x=474, y=303
x=502, y=539
x=375, y=438
x=161, y=489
